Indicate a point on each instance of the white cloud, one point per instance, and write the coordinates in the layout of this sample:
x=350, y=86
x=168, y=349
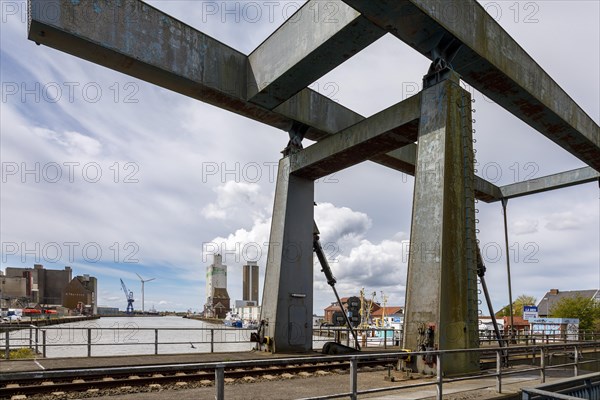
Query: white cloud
x=524, y=226
x=237, y=201
x=73, y=143
x=564, y=221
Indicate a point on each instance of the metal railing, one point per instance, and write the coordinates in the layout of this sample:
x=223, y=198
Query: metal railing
x=34, y=341
x=580, y=387
x=542, y=352
x=51, y=339
x=146, y=340
x=86, y=340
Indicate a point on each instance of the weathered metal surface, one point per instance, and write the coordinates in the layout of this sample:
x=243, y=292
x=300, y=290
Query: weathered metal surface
x=138, y=40
x=319, y=112
x=141, y=41
x=550, y=182
x=287, y=303
x=315, y=40
x=404, y=160
x=442, y=260
x=394, y=127
x=493, y=63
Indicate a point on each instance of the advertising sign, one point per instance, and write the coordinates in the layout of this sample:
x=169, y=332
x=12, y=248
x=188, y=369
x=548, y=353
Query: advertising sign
x=530, y=312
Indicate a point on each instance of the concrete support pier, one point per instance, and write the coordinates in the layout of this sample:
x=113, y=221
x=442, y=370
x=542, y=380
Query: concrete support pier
x=441, y=299
x=287, y=304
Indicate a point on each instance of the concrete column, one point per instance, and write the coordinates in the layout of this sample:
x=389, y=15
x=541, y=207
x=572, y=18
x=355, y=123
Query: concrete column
x=441, y=297
x=287, y=303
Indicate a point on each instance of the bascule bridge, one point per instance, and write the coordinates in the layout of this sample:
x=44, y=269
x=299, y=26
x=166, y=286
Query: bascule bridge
x=428, y=135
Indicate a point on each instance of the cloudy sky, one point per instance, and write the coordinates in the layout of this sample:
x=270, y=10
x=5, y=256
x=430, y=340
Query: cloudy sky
x=114, y=176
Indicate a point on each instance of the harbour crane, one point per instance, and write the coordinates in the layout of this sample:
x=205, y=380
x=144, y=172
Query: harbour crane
x=128, y=297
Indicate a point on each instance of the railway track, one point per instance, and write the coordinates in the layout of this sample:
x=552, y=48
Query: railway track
x=157, y=377
x=97, y=379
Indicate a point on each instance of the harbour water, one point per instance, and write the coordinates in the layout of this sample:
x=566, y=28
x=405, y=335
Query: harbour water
x=113, y=336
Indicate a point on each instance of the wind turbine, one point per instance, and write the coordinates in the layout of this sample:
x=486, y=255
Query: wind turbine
x=143, y=282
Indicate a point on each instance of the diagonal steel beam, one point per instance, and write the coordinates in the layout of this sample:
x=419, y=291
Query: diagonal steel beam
x=550, y=182
x=491, y=61
x=157, y=48
x=389, y=129
x=315, y=40
x=141, y=41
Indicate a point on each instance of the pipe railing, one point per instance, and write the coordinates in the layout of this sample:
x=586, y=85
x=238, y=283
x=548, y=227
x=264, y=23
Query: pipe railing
x=353, y=361
x=89, y=338
x=206, y=339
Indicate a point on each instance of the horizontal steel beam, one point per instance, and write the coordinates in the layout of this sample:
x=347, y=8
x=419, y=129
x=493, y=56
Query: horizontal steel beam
x=141, y=41
x=157, y=48
x=315, y=40
x=387, y=130
x=550, y=182
x=488, y=59
x=404, y=160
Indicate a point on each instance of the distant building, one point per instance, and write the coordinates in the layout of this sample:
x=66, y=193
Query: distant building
x=386, y=316
x=217, y=298
x=250, y=282
x=82, y=294
x=12, y=286
x=552, y=297
x=40, y=285
x=108, y=311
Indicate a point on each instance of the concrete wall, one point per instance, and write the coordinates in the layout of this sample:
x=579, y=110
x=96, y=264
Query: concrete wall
x=13, y=286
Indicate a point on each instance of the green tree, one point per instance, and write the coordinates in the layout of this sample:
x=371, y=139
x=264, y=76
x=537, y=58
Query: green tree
x=584, y=308
x=522, y=300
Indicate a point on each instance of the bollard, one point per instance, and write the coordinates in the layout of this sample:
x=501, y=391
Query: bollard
x=7, y=345
x=353, y=378
x=212, y=340
x=44, y=343
x=220, y=382
x=89, y=342
x=155, y=341
x=498, y=372
x=440, y=378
